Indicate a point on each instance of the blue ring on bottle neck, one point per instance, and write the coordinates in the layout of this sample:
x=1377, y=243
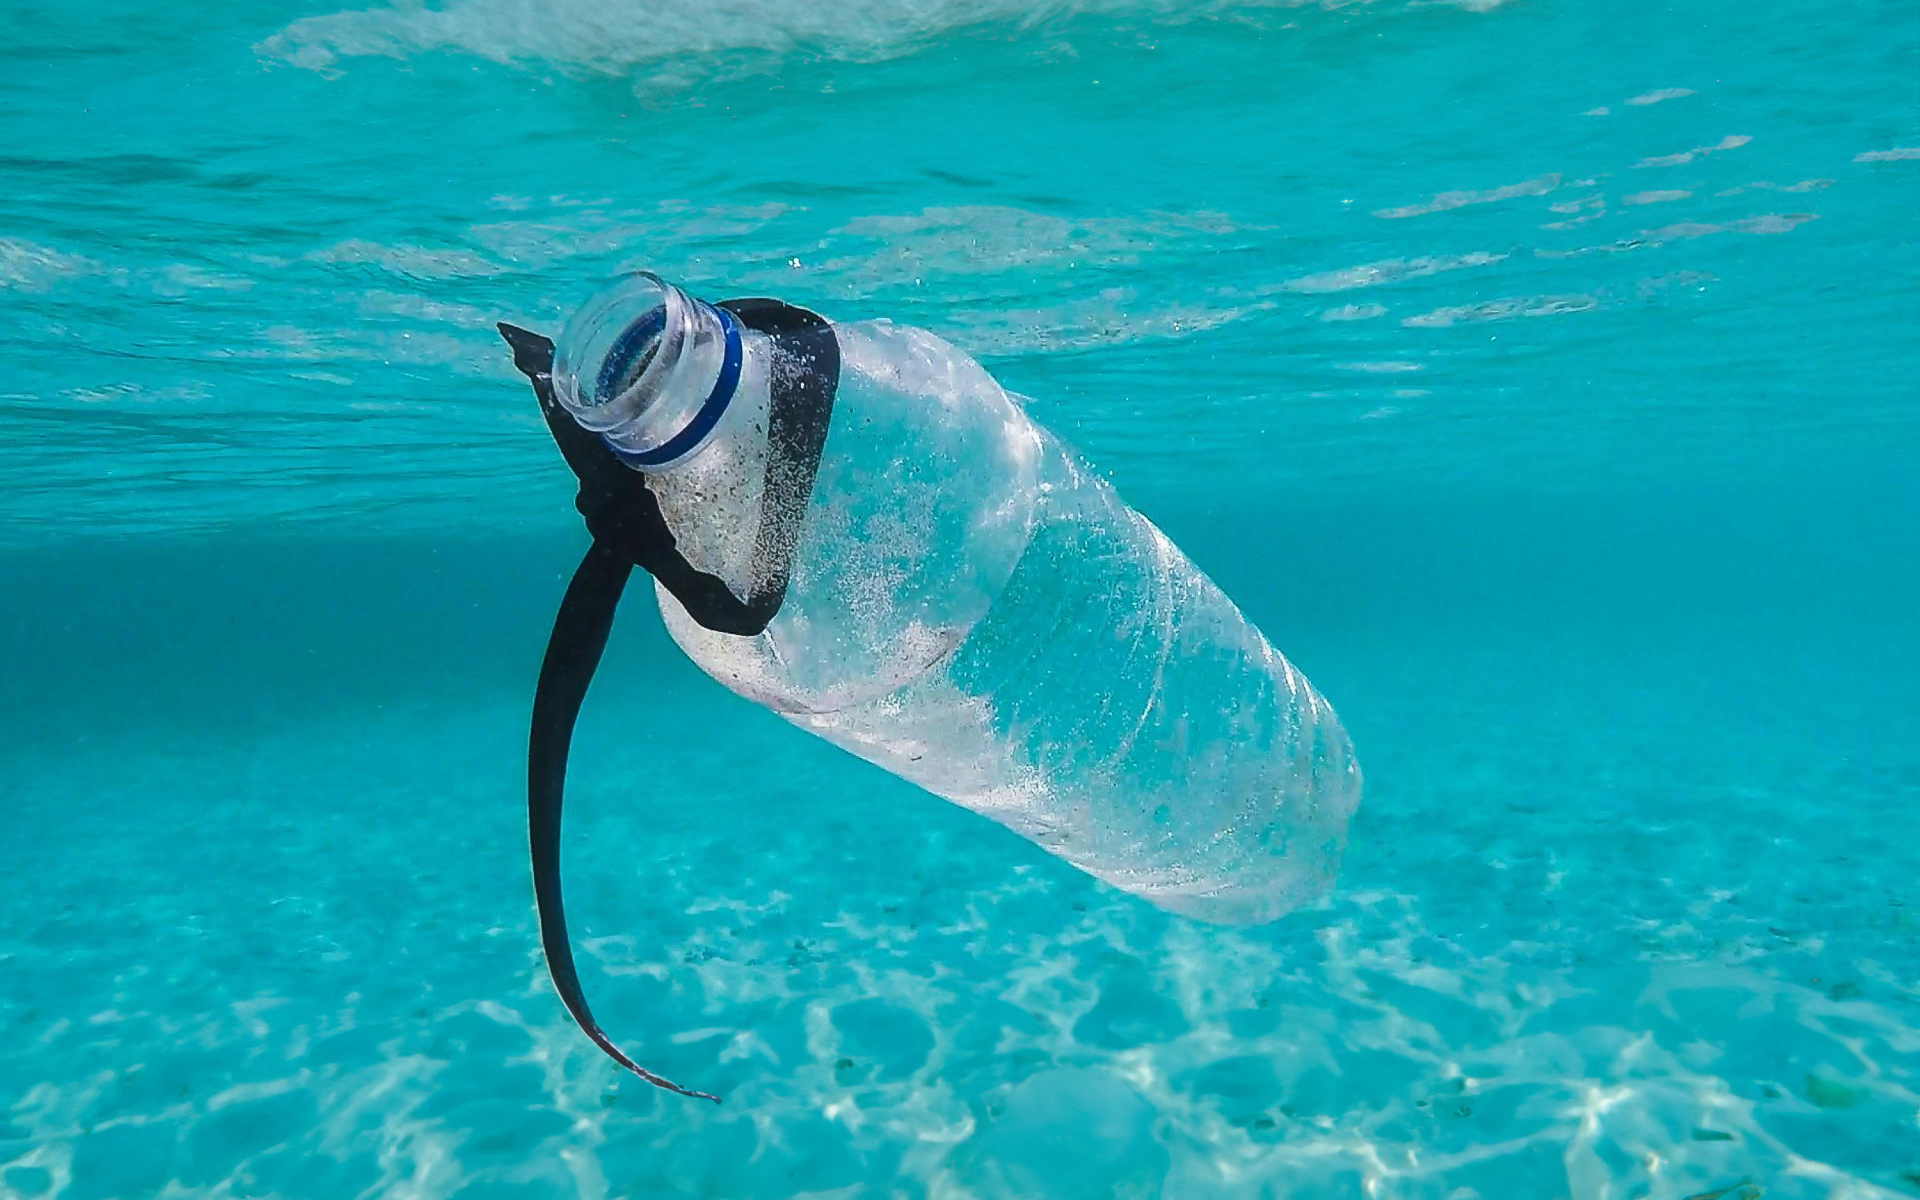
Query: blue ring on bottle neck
x=711, y=410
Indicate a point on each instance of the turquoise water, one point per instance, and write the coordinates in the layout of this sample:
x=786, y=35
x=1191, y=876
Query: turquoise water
x=1539, y=376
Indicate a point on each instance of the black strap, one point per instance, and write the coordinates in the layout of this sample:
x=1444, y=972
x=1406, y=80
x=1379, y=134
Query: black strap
x=579, y=637
x=622, y=512
x=805, y=375
x=628, y=530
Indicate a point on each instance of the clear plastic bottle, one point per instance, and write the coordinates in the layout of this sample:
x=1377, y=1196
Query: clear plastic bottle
x=974, y=610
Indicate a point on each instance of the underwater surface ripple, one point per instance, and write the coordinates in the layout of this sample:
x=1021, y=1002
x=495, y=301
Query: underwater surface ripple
x=1540, y=377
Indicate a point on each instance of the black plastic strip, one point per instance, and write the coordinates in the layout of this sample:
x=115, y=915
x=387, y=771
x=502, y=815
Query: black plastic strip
x=621, y=511
x=579, y=638
x=805, y=376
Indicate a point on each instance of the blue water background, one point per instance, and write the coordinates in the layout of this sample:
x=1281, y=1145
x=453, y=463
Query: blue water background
x=1539, y=376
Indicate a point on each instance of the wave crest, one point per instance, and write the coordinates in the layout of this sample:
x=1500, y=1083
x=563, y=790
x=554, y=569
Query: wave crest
x=623, y=37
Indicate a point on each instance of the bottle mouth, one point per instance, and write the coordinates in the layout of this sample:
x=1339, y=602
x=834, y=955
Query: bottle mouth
x=648, y=368
x=602, y=359
x=629, y=357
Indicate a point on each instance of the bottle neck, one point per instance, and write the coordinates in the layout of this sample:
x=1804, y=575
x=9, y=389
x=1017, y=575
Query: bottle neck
x=674, y=426
x=651, y=370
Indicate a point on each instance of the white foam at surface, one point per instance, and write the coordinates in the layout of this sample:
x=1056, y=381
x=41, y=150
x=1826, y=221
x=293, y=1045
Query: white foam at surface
x=1354, y=312
x=1656, y=97
x=623, y=35
x=1538, y=186
x=35, y=268
x=1765, y=223
x=1732, y=141
x=1500, y=310
x=1656, y=197
x=1386, y=367
x=1390, y=270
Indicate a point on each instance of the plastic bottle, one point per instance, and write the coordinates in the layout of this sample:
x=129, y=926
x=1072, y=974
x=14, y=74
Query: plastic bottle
x=973, y=609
